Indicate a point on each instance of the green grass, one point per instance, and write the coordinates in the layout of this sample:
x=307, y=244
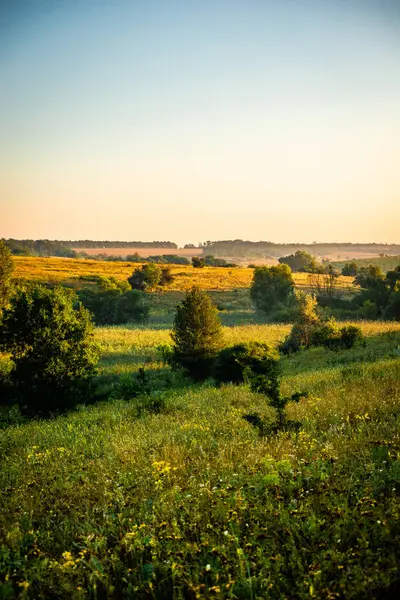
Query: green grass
x=111, y=502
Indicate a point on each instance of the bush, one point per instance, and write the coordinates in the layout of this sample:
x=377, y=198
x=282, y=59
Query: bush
x=49, y=336
x=145, y=278
x=198, y=263
x=196, y=334
x=302, y=262
x=113, y=306
x=231, y=363
x=166, y=276
x=327, y=335
x=350, y=336
x=331, y=336
x=307, y=320
x=350, y=269
x=272, y=288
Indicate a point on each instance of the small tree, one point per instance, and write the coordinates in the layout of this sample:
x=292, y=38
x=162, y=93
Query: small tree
x=350, y=269
x=272, y=287
x=198, y=263
x=302, y=262
x=6, y=270
x=145, y=278
x=306, y=322
x=50, y=339
x=231, y=363
x=196, y=334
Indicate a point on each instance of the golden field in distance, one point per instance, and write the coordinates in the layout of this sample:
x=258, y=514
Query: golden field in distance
x=70, y=270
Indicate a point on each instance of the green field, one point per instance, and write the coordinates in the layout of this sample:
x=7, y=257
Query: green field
x=113, y=501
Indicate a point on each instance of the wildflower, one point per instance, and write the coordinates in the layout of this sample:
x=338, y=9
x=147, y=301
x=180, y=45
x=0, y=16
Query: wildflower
x=24, y=584
x=208, y=567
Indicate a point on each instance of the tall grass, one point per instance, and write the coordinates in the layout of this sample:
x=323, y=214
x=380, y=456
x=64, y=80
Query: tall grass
x=193, y=503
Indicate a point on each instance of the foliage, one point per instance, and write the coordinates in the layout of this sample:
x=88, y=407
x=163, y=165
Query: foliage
x=379, y=291
x=145, y=278
x=232, y=362
x=196, y=334
x=198, y=262
x=302, y=262
x=191, y=501
x=166, y=277
x=306, y=321
x=112, y=305
x=331, y=336
x=392, y=310
x=272, y=287
x=6, y=270
x=50, y=339
x=350, y=269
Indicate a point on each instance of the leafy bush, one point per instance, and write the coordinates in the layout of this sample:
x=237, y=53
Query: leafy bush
x=113, y=306
x=198, y=263
x=306, y=321
x=231, y=363
x=166, y=276
x=272, y=288
x=145, y=278
x=302, y=262
x=196, y=334
x=49, y=336
x=350, y=269
x=331, y=336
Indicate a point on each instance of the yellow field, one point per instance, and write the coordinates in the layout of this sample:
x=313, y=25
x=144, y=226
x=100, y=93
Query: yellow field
x=69, y=270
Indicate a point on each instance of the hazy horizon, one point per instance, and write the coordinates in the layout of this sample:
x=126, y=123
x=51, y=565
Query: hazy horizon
x=206, y=120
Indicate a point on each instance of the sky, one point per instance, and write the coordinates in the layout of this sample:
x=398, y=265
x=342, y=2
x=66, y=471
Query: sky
x=193, y=120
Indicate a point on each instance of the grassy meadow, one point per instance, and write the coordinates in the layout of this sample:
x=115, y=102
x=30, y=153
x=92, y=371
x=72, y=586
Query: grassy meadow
x=76, y=272
x=174, y=494
x=116, y=501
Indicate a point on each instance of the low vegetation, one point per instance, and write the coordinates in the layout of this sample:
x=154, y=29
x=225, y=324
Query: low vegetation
x=237, y=473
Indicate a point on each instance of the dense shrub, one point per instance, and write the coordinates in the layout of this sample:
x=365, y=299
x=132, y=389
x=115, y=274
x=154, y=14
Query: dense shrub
x=231, y=363
x=302, y=262
x=331, y=336
x=112, y=302
x=307, y=319
x=350, y=269
x=49, y=336
x=198, y=262
x=272, y=288
x=392, y=310
x=196, y=334
x=114, y=307
x=166, y=276
x=145, y=278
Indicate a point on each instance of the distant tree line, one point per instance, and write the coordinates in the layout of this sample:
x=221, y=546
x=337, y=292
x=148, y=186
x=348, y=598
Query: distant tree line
x=108, y=244
x=267, y=249
x=65, y=248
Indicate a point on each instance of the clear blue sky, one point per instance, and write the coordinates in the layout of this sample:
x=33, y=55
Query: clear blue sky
x=191, y=120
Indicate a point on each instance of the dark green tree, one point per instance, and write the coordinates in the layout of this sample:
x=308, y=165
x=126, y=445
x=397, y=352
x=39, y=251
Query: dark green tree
x=272, y=287
x=350, y=269
x=145, y=278
x=302, y=262
x=231, y=363
x=6, y=270
x=197, y=334
x=198, y=263
x=49, y=336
